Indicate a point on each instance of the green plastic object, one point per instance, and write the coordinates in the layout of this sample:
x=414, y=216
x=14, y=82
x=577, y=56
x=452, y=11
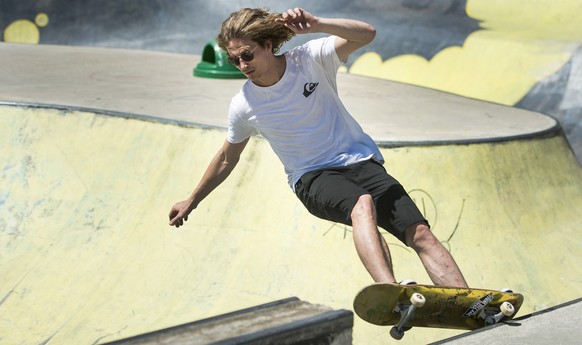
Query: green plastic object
x=214, y=65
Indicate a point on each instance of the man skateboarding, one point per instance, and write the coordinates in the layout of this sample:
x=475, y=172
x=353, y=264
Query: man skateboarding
x=333, y=167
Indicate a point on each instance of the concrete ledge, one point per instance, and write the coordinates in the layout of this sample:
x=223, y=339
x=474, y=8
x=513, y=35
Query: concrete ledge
x=288, y=321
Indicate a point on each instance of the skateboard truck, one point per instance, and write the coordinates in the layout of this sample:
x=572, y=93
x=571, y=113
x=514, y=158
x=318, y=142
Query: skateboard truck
x=406, y=311
x=505, y=309
x=480, y=310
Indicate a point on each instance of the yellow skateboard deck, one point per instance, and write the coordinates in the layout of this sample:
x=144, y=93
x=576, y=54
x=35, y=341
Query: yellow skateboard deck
x=430, y=306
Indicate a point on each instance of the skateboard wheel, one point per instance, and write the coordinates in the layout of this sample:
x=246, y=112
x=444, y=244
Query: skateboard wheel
x=507, y=308
x=506, y=290
x=396, y=334
x=417, y=300
x=408, y=282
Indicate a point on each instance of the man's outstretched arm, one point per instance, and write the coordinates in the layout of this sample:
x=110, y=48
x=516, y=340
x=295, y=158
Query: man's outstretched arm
x=218, y=170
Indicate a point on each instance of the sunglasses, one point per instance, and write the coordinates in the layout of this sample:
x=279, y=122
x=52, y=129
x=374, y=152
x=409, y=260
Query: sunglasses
x=246, y=56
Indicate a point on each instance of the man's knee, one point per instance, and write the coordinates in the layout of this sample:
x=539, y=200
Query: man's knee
x=364, y=207
x=419, y=237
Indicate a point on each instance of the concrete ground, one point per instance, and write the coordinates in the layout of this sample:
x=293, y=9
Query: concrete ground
x=161, y=85
x=557, y=325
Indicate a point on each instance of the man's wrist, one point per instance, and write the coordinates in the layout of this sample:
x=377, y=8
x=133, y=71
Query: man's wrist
x=319, y=25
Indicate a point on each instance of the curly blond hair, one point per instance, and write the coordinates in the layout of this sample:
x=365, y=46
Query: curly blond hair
x=256, y=24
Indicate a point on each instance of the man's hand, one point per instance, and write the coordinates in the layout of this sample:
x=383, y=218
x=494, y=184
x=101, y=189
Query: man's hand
x=218, y=170
x=298, y=20
x=179, y=213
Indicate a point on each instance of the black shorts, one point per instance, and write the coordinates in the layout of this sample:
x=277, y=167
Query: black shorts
x=332, y=194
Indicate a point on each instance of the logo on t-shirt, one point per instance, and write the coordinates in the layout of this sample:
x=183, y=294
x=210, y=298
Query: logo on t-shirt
x=308, y=88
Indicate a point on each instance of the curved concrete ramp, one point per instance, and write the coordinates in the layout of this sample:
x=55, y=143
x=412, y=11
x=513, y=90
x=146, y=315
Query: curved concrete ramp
x=87, y=255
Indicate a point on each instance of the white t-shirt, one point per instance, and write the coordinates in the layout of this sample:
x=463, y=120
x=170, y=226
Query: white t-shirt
x=301, y=116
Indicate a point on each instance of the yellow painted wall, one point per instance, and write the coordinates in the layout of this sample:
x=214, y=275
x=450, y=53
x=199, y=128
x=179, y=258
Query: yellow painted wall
x=25, y=31
x=86, y=254
x=521, y=43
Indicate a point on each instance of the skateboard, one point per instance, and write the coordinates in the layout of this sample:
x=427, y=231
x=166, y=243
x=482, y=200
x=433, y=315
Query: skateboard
x=407, y=306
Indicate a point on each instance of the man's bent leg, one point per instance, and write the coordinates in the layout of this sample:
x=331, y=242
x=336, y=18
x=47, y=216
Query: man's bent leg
x=438, y=262
x=370, y=245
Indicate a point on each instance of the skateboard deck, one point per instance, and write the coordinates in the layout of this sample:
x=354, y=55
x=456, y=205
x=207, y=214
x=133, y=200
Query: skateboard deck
x=440, y=307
